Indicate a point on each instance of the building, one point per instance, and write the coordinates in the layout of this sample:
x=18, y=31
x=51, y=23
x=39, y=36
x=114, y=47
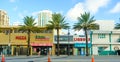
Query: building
x=66, y=44
x=105, y=42
x=80, y=45
x=4, y=19
x=14, y=42
x=105, y=24
x=43, y=17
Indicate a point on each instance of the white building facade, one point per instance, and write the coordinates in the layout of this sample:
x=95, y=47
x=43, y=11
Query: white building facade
x=105, y=24
x=105, y=42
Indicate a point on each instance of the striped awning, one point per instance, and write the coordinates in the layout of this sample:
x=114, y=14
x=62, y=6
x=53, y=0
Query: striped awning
x=39, y=44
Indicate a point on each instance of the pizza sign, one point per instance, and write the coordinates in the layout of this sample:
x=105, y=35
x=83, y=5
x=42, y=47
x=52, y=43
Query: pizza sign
x=21, y=37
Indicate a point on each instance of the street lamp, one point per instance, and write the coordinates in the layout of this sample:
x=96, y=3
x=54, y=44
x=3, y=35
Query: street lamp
x=68, y=42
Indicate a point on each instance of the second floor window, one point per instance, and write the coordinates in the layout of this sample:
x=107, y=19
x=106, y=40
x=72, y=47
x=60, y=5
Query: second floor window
x=100, y=36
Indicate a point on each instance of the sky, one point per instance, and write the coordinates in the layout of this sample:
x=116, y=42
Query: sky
x=71, y=9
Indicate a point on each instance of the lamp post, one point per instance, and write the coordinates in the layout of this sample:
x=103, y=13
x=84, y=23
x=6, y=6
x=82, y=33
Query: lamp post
x=68, y=42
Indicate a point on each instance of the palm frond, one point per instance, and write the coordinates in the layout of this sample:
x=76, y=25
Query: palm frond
x=57, y=22
x=85, y=21
x=117, y=26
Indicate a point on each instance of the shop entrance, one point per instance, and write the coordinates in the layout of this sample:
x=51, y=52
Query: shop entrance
x=20, y=50
x=81, y=51
x=6, y=50
x=42, y=50
x=63, y=49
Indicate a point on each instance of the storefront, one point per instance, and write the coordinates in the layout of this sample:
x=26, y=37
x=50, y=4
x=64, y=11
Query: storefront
x=65, y=45
x=80, y=45
x=80, y=48
x=42, y=44
x=64, y=49
x=15, y=42
x=5, y=49
x=105, y=42
x=41, y=49
x=19, y=50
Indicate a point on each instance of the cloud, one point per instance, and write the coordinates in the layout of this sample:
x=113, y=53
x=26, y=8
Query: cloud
x=116, y=9
x=17, y=23
x=92, y=6
x=74, y=12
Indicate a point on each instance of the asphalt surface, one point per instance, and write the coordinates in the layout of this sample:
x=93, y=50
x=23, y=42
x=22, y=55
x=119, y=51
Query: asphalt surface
x=61, y=58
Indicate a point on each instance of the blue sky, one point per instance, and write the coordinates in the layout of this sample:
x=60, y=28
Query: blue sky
x=101, y=9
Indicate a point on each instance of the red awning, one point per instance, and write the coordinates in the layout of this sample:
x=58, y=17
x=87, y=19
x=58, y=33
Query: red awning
x=38, y=44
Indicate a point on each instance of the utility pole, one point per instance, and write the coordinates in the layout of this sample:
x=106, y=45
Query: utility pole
x=9, y=44
x=68, y=42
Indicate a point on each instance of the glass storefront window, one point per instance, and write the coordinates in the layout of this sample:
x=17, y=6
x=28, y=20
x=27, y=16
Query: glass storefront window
x=6, y=50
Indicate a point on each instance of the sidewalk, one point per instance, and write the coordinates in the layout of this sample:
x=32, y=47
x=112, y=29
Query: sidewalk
x=54, y=56
x=21, y=57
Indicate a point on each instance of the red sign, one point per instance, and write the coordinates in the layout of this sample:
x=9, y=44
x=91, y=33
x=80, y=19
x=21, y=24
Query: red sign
x=21, y=37
x=81, y=39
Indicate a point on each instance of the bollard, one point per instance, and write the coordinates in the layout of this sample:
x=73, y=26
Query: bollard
x=92, y=59
x=3, y=58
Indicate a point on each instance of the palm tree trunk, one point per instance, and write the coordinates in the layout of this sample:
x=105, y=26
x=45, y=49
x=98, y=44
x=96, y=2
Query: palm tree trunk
x=28, y=48
x=86, y=36
x=57, y=42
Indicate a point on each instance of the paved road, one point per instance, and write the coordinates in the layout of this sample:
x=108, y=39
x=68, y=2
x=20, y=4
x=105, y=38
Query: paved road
x=62, y=59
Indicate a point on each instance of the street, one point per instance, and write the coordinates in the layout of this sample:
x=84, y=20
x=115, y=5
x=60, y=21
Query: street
x=62, y=59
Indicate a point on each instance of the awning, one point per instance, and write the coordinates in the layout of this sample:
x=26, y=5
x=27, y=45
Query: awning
x=81, y=45
x=39, y=44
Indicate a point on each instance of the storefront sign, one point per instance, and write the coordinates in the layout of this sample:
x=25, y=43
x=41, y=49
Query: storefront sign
x=64, y=38
x=42, y=38
x=81, y=39
x=82, y=45
x=21, y=37
x=39, y=44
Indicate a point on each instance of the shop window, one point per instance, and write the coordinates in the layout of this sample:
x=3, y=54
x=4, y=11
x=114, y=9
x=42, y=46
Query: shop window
x=118, y=40
x=100, y=49
x=101, y=36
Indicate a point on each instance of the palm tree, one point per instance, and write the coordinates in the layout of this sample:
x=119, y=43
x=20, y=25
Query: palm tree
x=58, y=22
x=86, y=23
x=28, y=27
x=117, y=26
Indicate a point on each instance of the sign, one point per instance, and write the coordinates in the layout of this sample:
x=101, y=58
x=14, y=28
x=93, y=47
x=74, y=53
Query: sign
x=42, y=38
x=81, y=45
x=39, y=44
x=63, y=38
x=81, y=40
x=21, y=37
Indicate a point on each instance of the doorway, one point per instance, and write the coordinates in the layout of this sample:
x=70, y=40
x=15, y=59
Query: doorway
x=42, y=50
